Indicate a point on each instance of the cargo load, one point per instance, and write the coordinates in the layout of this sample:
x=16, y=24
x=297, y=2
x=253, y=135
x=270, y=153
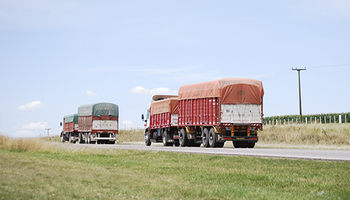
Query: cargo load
x=164, y=113
x=70, y=123
x=228, y=90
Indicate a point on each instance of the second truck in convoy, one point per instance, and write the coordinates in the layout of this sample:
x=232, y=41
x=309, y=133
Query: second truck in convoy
x=208, y=113
x=93, y=123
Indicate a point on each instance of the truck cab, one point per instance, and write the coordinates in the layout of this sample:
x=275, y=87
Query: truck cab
x=147, y=122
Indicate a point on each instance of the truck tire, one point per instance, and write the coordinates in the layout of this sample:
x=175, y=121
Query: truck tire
x=87, y=139
x=70, y=138
x=183, y=138
x=80, y=141
x=147, y=140
x=244, y=144
x=236, y=144
x=165, y=139
x=205, y=137
x=62, y=139
x=251, y=145
x=212, y=138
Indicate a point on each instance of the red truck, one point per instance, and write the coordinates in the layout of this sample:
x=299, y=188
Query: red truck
x=162, y=121
x=93, y=123
x=214, y=112
x=70, y=128
x=98, y=123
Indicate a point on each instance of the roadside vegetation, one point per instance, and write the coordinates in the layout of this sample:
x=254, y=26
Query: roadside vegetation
x=39, y=169
x=306, y=136
x=42, y=168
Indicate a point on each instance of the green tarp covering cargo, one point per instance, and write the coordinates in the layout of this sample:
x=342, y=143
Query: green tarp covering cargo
x=71, y=118
x=99, y=109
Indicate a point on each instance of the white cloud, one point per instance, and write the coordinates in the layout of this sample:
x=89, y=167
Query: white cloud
x=160, y=90
x=31, y=106
x=35, y=126
x=25, y=133
x=128, y=123
x=91, y=93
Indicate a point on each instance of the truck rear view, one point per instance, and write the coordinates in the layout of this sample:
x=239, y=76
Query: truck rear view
x=98, y=123
x=214, y=112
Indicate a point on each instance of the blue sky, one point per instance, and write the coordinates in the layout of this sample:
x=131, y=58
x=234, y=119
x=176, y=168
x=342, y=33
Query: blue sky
x=56, y=55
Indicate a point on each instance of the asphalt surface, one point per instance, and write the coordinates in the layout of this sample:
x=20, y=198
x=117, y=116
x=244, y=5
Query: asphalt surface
x=313, y=154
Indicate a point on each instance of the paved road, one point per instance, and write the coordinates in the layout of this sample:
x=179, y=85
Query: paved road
x=314, y=154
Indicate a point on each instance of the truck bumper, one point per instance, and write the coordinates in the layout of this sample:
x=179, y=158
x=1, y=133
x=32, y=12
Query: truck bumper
x=239, y=138
x=98, y=137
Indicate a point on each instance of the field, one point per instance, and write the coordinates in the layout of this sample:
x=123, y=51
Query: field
x=38, y=169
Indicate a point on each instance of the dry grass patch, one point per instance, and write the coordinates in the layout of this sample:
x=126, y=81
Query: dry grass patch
x=337, y=135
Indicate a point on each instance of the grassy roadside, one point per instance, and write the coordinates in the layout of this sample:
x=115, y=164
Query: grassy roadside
x=331, y=136
x=123, y=174
x=38, y=169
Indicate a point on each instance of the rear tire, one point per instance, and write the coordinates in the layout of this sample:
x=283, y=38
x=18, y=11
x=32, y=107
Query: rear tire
x=212, y=138
x=87, y=139
x=165, y=139
x=244, y=144
x=251, y=145
x=236, y=144
x=80, y=141
x=70, y=138
x=183, y=138
x=205, y=138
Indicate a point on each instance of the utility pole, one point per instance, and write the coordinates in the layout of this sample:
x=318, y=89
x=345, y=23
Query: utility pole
x=301, y=119
x=48, y=131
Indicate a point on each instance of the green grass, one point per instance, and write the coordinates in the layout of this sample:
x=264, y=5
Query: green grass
x=125, y=174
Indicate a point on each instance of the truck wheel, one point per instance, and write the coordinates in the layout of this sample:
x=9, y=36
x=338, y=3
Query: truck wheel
x=244, y=144
x=70, y=138
x=212, y=138
x=183, y=138
x=87, y=139
x=147, y=140
x=236, y=144
x=251, y=145
x=165, y=139
x=80, y=141
x=205, y=138
x=62, y=139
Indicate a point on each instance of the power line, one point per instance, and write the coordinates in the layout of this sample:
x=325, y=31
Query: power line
x=321, y=66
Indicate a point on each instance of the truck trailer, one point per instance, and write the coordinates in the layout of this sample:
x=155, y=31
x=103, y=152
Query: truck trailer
x=98, y=123
x=212, y=113
x=70, y=128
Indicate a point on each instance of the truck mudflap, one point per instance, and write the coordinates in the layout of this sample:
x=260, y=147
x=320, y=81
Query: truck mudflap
x=239, y=138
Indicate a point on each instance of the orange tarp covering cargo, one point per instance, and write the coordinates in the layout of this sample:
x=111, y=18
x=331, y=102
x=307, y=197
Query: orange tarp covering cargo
x=228, y=90
x=163, y=106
